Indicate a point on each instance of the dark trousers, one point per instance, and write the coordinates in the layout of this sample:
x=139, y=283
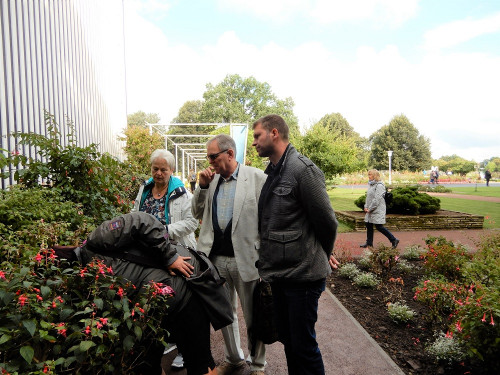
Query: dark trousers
x=381, y=229
x=296, y=313
x=190, y=330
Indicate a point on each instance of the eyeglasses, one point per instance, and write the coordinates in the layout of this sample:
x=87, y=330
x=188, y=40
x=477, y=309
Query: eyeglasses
x=212, y=157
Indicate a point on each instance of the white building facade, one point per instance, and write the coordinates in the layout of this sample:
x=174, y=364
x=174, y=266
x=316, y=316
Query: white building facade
x=66, y=57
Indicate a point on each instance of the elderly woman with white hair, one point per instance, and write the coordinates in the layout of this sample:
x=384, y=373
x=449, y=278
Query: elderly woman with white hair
x=165, y=197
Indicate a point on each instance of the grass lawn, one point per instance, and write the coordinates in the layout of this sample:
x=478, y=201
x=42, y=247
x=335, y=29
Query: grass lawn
x=490, y=191
x=490, y=210
x=343, y=200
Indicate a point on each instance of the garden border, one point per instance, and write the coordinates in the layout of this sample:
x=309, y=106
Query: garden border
x=442, y=219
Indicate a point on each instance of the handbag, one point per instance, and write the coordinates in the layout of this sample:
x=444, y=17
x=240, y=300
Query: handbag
x=263, y=325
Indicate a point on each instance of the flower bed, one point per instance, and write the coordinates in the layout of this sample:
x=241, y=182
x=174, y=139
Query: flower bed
x=434, y=311
x=442, y=219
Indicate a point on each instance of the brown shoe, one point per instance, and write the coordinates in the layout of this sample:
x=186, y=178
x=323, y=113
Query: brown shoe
x=226, y=368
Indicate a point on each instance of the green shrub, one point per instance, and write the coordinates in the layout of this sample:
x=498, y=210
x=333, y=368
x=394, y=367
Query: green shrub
x=434, y=189
x=400, y=313
x=446, y=348
x=366, y=280
x=413, y=252
x=97, y=181
x=404, y=266
x=383, y=259
x=76, y=320
x=365, y=262
x=407, y=201
x=348, y=270
x=445, y=258
x=439, y=295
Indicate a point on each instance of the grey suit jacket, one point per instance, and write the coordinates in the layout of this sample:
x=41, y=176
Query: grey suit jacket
x=244, y=234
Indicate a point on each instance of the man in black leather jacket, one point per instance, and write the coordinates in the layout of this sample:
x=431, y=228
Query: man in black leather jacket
x=297, y=227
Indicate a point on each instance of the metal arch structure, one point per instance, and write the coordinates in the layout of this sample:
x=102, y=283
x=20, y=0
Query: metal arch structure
x=192, y=152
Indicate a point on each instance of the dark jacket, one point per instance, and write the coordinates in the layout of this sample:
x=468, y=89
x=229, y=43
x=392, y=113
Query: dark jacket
x=142, y=237
x=297, y=223
x=137, y=248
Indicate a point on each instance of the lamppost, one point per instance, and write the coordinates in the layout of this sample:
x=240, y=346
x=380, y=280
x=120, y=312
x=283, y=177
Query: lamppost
x=390, y=156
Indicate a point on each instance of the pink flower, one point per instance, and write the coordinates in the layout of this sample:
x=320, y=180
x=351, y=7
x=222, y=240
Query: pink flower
x=38, y=257
x=167, y=291
x=120, y=292
x=484, y=318
x=2, y=275
x=104, y=321
x=492, y=322
x=87, y=330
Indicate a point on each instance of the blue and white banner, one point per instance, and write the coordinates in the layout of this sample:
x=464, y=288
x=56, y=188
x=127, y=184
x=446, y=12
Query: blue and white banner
x=239, y=133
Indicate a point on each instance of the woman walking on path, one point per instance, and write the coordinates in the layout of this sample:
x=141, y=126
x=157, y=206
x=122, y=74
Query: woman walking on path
x=375, y=210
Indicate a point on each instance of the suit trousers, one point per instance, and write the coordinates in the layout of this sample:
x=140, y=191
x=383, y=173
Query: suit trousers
x=244, y=290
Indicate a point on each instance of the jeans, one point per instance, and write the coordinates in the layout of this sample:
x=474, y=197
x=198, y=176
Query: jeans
x=296, y=313
x=381, y=229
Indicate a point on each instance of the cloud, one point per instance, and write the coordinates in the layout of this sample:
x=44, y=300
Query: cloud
x=386, y=12
x=457, y=32
x=441, y=93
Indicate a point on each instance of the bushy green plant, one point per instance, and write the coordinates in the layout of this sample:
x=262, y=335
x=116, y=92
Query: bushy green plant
x=400, y=312
x=434, y=189
x=412, y=252
x=445, y=258
x=404, y=266
x=384, y=259
x=366, y=280
x=365, y=262
x=79, y=174
x=407, y=201
x=38, y=217
x=348, y=270
x=439, y=296
x=76, y=320
x=446, y=348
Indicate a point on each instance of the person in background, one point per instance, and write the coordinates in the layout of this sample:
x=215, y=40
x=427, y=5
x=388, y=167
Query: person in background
x=192, y=180
x=297, y=228
x=487, y=176
x=165, y=197
x=375, y=210
x=226, y=201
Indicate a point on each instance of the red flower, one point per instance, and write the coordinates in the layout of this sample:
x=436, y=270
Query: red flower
x=38, y=257
x=23, y=300
x=2, y=275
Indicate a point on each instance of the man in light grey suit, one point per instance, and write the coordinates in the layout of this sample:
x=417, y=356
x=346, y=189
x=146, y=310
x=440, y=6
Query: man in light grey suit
x=226, y=201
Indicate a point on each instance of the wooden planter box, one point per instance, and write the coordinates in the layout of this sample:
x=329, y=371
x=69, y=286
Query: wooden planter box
x=442, y=219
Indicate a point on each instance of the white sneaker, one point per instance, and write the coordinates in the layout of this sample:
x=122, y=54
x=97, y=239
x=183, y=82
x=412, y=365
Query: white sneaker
x=169, y=347
x=178, y=361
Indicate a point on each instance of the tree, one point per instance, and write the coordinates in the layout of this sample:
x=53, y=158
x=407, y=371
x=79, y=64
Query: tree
x=493, y=164
x=139, y=146
x=244, y=100
x=335, y=122
x=238, y=99
x=411, y=151
x=189, y=113
x=140, y=118
x=333, y=152
x=456, y=164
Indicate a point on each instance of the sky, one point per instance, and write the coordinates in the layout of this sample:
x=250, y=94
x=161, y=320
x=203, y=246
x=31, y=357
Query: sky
x=436, y=62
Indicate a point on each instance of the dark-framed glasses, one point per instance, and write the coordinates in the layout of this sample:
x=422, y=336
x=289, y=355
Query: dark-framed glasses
x=212, y=157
